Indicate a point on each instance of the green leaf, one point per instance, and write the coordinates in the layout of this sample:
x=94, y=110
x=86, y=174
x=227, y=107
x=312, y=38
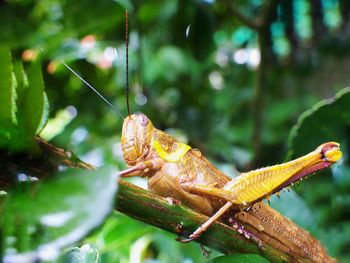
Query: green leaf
x=326, y=121
x=21, y=78
x=33, y=109
x=24, y=105
x=168, y=63
x=7, y=87
x=35, y=106
x=84, y=254
x=7, y=96
x=45, y=114
x=326, y=194
x=53, y=214
x=125, y=4
x=239, y=258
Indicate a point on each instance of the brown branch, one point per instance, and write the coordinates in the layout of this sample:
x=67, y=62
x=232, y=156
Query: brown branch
x=268, y=13
x=344, y=9
x=262, y=27
x=178, y=219
x=41, y=166
x=319, y=29
x=256, y=24
x=249, y=22
x=288, y=17
x=266, y=57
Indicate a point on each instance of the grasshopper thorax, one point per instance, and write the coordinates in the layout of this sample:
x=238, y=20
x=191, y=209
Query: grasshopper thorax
x=136, y=138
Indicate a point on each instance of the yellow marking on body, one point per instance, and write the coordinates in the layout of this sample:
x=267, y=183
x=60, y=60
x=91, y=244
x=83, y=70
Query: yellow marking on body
x=173, y=156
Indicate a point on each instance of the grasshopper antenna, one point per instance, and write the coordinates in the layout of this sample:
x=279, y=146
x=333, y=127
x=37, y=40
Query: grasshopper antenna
x=91, y=87
x=127, y=60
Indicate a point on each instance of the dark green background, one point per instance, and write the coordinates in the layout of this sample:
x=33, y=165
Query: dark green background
x=183, y=64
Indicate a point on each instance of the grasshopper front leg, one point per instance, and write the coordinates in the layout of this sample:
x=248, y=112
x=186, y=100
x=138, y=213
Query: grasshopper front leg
x=236, y=225
x=142, y=168
x=207, y=223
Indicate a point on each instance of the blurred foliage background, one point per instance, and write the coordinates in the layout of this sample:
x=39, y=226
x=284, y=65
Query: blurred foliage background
x=230, y=78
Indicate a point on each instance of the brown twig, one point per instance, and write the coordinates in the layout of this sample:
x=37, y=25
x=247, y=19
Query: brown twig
x=246, y=20
x=178, y=219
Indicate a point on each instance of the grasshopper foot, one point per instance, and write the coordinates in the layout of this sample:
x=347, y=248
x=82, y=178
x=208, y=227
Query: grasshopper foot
x=184, y=240
x=191, y=237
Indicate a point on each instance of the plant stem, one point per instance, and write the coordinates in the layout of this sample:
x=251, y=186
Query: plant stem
x=167, y=214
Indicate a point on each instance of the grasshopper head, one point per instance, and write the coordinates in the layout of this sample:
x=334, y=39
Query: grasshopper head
x=136, y=138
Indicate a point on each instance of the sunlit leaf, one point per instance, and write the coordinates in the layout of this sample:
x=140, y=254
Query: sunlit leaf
x=24, y=106
x=53, y=214
x=84, y=254
x=21, y=79
x=35, y=104
x=7, y=96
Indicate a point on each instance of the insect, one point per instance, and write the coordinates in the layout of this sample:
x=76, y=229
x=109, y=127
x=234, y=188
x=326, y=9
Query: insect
x=176, y=170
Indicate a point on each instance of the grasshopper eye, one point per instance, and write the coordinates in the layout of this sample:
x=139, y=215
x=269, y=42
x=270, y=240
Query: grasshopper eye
x=143, y=120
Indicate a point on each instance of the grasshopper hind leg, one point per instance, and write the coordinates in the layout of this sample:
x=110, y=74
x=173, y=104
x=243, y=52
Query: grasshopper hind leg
x=235, y=224
x=200, y=230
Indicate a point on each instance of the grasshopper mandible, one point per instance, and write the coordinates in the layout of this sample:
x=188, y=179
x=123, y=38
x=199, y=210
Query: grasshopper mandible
x=176, y=170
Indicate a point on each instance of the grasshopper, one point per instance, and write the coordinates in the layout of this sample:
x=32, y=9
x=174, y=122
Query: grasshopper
x=176, y=170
